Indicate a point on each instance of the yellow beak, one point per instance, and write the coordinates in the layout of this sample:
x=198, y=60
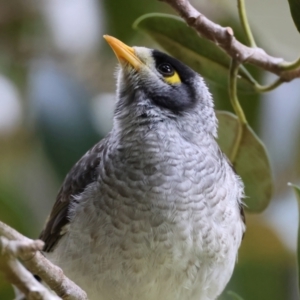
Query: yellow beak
x=124, y=53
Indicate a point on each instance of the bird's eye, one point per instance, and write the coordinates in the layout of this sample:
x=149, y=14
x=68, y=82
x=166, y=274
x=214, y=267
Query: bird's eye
x=169, y=73
x=166, y=69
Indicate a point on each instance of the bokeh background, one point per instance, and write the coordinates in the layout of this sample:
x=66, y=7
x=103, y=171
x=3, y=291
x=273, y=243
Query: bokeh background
x=57, y=99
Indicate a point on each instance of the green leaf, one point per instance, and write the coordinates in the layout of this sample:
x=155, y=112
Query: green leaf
x=186, y=45
x=250, y=162
x=119, y=15
x=297, y=193
x=234, y=296
x=295, y=12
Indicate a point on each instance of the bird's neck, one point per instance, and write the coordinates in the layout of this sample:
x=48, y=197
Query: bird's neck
x=162, y=134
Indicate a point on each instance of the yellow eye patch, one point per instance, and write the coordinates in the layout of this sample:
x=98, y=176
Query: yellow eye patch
x=169, y=73
x=173, y=79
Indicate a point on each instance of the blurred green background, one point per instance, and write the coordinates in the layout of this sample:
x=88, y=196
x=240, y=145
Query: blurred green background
x=57, y=98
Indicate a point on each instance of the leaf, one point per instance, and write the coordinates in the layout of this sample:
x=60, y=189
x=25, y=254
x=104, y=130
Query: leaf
x=297, y=193
x=251, y=161
x=118, y=23
x=295, y=12
x=186, y=45
x=234, y=296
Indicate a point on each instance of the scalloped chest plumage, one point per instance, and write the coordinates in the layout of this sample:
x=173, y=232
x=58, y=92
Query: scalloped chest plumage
x=160, y=222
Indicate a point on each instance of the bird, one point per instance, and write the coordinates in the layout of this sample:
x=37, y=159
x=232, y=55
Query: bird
x=154, y=211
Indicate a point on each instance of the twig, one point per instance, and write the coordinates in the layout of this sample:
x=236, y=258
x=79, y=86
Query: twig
x=233, y=74
x=224, y=38
x=17, y=274
x=39, y=265
x=291, y=65
x=245, y=23
x=269, y=87
x=242, y=122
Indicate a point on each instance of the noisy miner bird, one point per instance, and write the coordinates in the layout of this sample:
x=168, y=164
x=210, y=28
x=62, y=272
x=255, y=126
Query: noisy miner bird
x=153, y=211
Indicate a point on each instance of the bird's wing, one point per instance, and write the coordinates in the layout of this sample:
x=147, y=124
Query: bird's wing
x=83, y=173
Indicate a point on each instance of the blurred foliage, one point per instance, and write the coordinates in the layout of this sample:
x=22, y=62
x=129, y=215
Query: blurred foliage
x=15, y=212
x=62, y=115
x=297, y=193
x=20, y=27
x=295, y=12
x=264, y=269
x=121, y=14
x=234, y=296
x=58, y=123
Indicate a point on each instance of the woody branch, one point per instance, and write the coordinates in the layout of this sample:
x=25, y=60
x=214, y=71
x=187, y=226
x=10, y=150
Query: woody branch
x=14, y=245
x=224, y=38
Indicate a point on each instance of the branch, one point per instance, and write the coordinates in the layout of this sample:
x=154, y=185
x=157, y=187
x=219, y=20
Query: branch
x=29, y=252
x=224, y=38
x=16, y=273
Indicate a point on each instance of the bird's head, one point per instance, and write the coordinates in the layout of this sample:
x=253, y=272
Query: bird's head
x=153, y=87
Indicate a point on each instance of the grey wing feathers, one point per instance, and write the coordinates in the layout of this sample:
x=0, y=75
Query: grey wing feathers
x=84, y=172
